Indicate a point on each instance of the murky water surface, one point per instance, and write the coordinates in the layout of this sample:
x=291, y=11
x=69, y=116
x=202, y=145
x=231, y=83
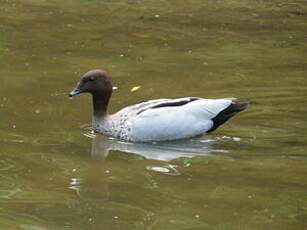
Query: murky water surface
x=249, y=174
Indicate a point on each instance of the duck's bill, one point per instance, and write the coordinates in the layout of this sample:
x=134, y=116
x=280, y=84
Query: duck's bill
x=75, y=92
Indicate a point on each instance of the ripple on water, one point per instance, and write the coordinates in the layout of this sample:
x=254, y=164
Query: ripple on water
x=11, y=137
x=45, y=141
x=6, y=165
x=9, y=193
x=87, y=130
x=166, y=169
x=75, y=184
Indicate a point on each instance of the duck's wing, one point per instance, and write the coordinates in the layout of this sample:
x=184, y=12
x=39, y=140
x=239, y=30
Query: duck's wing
x=177, y=118
x=205, y=109
x=153, y=104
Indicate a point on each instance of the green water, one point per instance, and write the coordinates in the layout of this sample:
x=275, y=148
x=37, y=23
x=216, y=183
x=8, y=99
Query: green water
x=250, y=174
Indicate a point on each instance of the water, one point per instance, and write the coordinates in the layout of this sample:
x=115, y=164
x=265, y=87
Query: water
x=249, y=174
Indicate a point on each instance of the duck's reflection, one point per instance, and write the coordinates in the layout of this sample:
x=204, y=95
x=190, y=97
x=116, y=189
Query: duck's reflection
x=95, y=181
x=162, y=151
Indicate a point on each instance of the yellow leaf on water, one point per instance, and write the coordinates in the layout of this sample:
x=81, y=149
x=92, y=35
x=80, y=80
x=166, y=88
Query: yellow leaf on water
x=135, y=88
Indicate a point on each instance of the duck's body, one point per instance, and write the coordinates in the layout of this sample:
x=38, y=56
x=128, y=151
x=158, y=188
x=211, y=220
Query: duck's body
x=162, y=119
x=156, y=120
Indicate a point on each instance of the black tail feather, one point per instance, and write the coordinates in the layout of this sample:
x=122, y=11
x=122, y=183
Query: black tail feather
x=227, y=113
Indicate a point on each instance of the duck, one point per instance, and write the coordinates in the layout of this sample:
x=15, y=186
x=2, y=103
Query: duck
x=155, y=120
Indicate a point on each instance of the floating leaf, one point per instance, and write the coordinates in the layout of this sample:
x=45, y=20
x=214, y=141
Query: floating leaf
x=135, y=88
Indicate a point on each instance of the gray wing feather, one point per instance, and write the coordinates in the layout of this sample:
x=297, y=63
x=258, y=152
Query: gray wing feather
x=158, y=103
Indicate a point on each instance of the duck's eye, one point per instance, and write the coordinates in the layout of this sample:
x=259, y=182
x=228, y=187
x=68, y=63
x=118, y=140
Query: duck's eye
x=91, y=78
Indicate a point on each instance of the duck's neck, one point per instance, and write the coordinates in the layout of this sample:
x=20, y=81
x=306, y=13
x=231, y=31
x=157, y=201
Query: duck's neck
x=100, y=105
